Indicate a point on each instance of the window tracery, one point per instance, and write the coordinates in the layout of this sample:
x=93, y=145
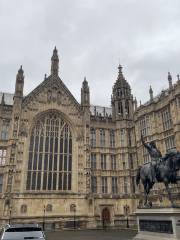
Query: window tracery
x=50, y=154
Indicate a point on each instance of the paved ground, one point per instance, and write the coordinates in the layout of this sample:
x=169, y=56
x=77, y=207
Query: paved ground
x=91, y=235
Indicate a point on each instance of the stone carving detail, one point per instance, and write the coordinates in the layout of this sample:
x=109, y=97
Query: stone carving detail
x=59, y=94
x=6, y=207
x=54, y=95
x=80, y=136
x=15, y=127
x=49, y=96
x=23, y=129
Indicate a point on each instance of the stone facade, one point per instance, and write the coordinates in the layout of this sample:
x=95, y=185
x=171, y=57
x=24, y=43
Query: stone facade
x=63, y=162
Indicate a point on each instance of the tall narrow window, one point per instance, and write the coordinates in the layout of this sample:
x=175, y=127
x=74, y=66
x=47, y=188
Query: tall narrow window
x=93, y=161
x=102, y=138
x=166, y=119
x=103, y=161
x=1, y=183
x=93, y=137
x=114, y=185
x=133, y=184
x=122, y=137
x=104, y=185
x=129, y=138
x=2, y=156
x=112, y=138
x=127, y=107
x=130, y=160
x=113, y=162
x=120, y=108
x=94, y=184
x=125, y=185
x=50, y=154
x=170, y=143
x=5, y=129
x=144, y=125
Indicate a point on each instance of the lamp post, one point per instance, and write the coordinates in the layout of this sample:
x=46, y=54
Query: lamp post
x=10, y=212
x=126, y=211
x=44, y=212
x=74, y=209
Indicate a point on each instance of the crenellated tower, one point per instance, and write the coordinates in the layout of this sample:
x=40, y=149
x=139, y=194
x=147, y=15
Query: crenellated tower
x=122, y=99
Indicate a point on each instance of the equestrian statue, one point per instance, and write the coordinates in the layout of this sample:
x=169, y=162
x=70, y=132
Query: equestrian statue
x=159, y=169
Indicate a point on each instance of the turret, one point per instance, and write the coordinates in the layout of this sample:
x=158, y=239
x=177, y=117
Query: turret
x=85, y=95
x=55, y=63
x=151, y=94
x=122, y=99
x=19, y=83
x=170, y=80
x=135, y=104
x=178, y=77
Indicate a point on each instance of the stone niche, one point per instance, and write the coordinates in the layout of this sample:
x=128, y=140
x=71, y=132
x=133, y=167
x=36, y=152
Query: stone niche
x=158, y=224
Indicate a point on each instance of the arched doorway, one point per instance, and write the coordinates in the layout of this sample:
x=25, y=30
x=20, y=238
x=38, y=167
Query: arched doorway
x=105, y=217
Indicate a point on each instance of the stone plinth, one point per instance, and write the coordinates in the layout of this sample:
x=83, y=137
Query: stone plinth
x=158, y=224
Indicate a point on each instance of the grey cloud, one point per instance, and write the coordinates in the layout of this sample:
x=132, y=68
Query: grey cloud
x=92, y=36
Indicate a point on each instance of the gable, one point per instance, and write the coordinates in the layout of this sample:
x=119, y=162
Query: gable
x=52, y=89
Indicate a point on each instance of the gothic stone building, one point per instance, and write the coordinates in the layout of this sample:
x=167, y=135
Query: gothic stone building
x=61, y=160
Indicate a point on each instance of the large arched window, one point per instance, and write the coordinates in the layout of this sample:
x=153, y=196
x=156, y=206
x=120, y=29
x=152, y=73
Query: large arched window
x=50, y=154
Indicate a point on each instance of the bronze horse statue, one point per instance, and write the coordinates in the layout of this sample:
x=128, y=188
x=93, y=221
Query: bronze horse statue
x=165, y=171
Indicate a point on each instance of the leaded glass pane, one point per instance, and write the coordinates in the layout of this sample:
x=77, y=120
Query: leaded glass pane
x=55, y=162
x=39, y=181
x=50, y=154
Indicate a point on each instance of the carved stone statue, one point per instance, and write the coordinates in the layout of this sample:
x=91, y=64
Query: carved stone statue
x=163, y=170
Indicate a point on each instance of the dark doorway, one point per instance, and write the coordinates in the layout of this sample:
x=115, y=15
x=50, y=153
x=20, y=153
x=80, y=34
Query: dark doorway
x=105, y=217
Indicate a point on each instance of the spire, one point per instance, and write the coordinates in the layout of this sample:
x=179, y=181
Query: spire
x=55, y=63
x=151, y=93
x=85, y=95
x=120, y=69
x=178, y=77
x=20, y=75
x=135, y=103
x=2, y=100
x=19, y=83
x=170, y=80
x=121, y=82
x=120, y=74
x=121, y=99
x=85, y=83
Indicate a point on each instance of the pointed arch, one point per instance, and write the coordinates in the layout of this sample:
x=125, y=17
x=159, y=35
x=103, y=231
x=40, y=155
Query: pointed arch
x=50, y=153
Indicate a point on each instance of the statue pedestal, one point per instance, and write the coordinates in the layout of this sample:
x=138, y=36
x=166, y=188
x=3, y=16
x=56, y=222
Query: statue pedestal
x=158, y=224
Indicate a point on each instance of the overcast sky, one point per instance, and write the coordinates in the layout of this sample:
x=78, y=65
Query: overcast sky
x=92, y=38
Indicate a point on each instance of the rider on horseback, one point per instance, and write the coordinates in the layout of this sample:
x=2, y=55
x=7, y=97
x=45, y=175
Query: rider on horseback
x=155, y=157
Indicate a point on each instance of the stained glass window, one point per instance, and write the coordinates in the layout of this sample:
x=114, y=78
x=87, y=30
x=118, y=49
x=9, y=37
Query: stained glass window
x=50, y=154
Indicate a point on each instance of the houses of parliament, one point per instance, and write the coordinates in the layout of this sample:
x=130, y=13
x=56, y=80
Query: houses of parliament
x=63, y=162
